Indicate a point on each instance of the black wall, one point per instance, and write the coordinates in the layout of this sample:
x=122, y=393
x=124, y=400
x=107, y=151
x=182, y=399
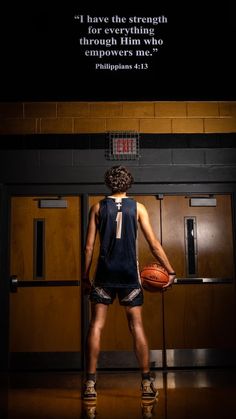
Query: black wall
x=80, y=159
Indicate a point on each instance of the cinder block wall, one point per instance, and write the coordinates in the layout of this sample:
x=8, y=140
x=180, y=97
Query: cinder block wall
x=99, y=117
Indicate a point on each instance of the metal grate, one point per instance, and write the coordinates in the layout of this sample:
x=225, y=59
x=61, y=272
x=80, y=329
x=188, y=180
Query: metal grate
x=122, y=145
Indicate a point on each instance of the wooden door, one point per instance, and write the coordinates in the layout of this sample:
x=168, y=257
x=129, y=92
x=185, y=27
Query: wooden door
x=45, y=312
x=116, y=344
x=200, y=317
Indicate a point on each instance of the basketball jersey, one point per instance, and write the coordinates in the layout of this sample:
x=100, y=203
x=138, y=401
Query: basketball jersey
x=117, y=262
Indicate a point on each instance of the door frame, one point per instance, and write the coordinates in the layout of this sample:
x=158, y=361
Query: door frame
x=82, y=190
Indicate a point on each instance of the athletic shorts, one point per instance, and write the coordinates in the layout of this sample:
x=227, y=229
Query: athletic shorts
x=130, y=297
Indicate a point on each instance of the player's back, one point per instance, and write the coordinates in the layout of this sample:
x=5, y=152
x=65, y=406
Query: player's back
x=117, y=264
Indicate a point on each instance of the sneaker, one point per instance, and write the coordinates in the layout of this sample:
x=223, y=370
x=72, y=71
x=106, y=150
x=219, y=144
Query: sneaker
x=148, y=390
x=89, y=392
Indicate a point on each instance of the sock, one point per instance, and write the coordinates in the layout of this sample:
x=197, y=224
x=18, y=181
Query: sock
x=146, y=375
x=91, y=376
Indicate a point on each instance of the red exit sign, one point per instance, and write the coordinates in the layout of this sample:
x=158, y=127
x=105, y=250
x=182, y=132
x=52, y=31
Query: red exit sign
x=122, y=145
x=126, y=146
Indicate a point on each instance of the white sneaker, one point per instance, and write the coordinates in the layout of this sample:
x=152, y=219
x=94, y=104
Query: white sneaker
x=148, y=389
x=89, y=390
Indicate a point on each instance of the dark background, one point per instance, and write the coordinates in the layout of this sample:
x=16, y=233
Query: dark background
x=41, y=58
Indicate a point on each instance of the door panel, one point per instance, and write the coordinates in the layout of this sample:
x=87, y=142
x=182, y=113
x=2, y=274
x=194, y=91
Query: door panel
x=200, y=316
x=62, y=238
x=214, y=236
x=46, y=319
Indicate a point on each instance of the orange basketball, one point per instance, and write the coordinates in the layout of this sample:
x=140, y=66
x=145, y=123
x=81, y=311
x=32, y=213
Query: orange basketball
x=153, y=277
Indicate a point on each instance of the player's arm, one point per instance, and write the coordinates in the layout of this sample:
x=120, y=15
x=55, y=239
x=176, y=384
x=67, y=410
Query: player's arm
x=89, y=245
x=154, y=244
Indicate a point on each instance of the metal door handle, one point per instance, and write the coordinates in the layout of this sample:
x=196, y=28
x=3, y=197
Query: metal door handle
x=15, y=283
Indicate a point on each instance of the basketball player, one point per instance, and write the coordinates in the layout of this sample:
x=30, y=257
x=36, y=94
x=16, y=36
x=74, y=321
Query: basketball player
x=116, y=218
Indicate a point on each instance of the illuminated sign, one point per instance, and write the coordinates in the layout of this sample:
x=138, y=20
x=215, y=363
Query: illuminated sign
x=123, y=145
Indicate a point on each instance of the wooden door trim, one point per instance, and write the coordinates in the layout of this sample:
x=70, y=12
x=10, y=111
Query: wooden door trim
x=4, y=274
x=137, y=189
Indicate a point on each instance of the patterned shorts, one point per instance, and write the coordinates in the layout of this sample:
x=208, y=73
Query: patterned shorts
x=127, y=296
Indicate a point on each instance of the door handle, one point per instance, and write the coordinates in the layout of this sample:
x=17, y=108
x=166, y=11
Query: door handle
x=13, y=283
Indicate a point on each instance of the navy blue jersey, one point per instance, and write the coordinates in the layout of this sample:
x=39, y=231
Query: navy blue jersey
x=117, y=262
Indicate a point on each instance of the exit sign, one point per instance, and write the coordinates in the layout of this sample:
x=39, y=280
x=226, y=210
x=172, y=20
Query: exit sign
x=123, y=146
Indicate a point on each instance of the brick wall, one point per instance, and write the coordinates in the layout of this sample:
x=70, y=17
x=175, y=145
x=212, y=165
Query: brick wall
x=99, y=117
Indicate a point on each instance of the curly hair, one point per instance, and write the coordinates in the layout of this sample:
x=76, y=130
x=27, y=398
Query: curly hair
x=118, y=179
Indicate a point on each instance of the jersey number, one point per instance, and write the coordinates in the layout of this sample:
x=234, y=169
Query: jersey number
x=118, y=225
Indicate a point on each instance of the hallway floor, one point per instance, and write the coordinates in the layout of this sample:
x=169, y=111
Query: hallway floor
x=183, y=394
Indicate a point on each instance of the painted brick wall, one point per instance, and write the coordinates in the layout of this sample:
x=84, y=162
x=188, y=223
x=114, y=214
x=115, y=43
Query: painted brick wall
x=99, y=117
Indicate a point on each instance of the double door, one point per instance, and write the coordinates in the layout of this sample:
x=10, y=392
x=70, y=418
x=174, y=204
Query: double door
x=185, y=326
x=46, y=302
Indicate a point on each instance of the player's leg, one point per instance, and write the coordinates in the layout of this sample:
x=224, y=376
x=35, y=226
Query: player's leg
x=98, y=318
x=135, y=322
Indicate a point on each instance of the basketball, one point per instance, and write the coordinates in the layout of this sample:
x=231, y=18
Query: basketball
x=154, y=277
